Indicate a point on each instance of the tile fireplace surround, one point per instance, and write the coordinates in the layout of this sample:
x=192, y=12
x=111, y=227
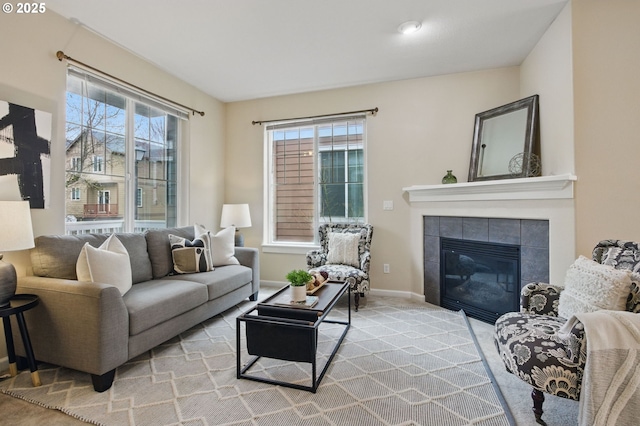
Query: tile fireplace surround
x=531, y=235
x=532, y=205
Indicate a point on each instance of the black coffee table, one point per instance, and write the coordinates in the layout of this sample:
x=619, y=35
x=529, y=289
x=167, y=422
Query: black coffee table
x=275, y=330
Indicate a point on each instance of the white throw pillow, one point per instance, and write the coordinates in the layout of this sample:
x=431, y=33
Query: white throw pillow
x=223, y=247
x=107, y=264
x=343, y=249
x=590, y=286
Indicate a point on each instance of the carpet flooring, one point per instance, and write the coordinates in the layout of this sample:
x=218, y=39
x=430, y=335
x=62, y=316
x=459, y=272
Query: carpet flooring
x=401, y=363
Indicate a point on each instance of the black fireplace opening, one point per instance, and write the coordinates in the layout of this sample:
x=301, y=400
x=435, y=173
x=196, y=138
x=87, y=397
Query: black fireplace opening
x=481, y=278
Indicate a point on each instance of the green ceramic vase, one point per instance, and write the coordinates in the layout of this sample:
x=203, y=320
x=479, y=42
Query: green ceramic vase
x=449, y=178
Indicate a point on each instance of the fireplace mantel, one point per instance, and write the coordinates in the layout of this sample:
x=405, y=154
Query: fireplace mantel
x=533, y=188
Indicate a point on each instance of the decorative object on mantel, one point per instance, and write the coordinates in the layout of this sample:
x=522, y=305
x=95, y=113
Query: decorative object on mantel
x=499, y=135
x=449, y=178
x=524, y=161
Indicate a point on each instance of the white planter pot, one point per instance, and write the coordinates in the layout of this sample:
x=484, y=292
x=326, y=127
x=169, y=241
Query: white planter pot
x=298, y=293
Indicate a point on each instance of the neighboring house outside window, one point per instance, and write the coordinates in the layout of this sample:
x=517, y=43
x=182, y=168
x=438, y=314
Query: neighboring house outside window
x=113, y=164
x=315, y=174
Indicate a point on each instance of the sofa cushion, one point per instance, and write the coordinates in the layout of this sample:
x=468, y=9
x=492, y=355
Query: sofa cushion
x=153, y=302
x=160, y=250
x=222, y=280
x=191, y=256
x=107, y=264
x=55, y=256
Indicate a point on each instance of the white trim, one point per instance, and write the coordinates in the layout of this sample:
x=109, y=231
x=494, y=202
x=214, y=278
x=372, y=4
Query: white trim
x=289, y=248
x=533, y=188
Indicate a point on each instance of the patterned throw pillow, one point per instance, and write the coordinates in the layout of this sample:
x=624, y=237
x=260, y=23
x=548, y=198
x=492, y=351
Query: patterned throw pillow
x=343, y=249
x=191, y=256
x=590, y=286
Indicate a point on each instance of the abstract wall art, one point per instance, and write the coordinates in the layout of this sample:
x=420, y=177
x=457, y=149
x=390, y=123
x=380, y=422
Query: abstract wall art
x=25, y=154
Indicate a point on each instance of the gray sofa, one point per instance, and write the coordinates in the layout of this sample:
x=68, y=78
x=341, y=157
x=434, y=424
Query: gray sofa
x=92, y=328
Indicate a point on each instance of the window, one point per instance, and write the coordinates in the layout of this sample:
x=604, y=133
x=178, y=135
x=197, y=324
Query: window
x=76, y=164
x=315, y=174
x=97, y=164
x=119, y=145
x=75, y=194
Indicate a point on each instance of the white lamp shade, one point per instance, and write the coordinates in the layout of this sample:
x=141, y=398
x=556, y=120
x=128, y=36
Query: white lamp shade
x=235, y=215
x=16, y=232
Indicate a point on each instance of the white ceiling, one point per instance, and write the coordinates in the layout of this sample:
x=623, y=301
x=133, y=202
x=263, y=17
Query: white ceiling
x=247, y=49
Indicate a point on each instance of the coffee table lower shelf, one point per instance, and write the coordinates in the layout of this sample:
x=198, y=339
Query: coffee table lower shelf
x=289, y=334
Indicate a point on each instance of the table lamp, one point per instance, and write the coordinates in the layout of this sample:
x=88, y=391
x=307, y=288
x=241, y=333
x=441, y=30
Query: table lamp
x=236, y=215
x=16, y=233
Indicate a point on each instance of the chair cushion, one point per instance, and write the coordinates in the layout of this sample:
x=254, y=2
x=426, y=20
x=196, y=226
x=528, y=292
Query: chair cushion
x=531, y=349
x=357, y=279
x=590, y=286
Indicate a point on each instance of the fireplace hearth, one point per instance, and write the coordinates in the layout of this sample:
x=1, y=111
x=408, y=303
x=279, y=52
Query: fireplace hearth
x=481, y=278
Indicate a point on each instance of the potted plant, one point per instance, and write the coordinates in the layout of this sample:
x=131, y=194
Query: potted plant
x=298, y=279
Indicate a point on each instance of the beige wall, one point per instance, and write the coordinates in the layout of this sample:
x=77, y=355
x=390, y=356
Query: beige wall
x=548, y=71
x=31, y=75
x=606, y=61
x=424, y=127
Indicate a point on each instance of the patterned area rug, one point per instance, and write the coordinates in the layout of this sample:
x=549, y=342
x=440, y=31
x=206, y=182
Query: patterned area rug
x=401, y=363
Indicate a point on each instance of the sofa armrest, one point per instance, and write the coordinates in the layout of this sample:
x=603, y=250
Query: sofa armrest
x=540, y=298
x=80, y=325
x=250, y=257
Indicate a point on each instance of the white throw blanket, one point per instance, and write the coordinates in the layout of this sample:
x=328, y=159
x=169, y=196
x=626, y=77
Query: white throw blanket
x=610, y=392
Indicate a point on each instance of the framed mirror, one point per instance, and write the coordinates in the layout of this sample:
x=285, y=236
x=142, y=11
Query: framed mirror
x=505, y=142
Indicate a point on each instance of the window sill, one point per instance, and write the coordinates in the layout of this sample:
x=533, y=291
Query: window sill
x=289, y=248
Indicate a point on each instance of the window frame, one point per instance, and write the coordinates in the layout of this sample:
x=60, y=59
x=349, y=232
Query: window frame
x=270, y=244
x=173, y=138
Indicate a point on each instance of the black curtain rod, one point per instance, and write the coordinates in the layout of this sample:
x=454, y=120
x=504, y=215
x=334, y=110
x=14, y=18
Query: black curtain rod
x=372, y=111
x=60, y=55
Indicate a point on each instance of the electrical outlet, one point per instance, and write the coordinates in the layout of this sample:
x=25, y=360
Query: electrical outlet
x=387, y=205
x=385, y=268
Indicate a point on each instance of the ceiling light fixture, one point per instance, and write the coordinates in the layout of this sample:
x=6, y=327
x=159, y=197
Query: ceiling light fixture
x=409, y=27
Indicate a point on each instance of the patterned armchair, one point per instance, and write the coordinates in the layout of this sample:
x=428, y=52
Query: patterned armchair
x=528, y=341
x=357, y=277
